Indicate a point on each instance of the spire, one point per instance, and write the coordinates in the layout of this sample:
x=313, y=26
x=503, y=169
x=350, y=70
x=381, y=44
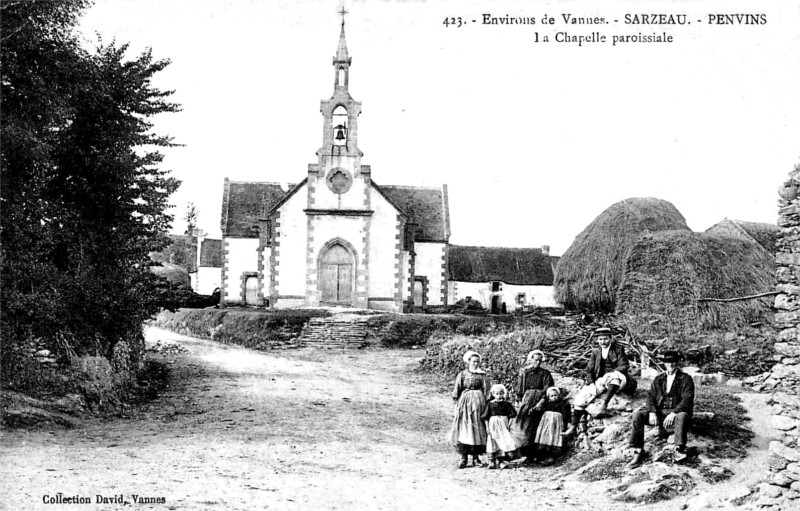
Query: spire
x=341, y=51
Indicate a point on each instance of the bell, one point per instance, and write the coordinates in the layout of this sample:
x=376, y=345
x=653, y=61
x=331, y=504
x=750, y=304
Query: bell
x=340, y=134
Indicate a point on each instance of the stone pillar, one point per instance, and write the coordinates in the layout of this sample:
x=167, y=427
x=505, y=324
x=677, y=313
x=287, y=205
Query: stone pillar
x=784, y=461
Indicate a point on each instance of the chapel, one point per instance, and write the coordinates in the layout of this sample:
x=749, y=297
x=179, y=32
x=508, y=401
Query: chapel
x=335, y=238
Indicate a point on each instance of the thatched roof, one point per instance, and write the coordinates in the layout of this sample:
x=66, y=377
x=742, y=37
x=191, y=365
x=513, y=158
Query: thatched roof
x=521, y=266
x=589, y=272
x=667, y=272
x=765, y=235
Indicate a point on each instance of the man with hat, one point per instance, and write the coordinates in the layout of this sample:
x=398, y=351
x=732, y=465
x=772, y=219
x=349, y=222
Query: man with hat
x=670, y=404
x=605, y=374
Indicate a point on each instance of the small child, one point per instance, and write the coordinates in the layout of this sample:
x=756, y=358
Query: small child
x=555, y=417
x=498, y=413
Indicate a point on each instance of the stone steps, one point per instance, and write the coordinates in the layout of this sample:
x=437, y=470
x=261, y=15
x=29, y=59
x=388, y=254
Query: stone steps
x=335, y=332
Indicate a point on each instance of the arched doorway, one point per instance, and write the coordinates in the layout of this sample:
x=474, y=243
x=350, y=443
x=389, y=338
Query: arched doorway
x=251, y=290
x=496, y=304
x=336, y=275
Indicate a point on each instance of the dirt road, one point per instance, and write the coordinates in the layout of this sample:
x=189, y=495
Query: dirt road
x=307, y=429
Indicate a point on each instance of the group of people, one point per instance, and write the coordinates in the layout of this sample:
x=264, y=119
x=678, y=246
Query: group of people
x=486, y=422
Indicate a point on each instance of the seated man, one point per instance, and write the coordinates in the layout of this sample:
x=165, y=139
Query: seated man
x=670, y=404
x=606, y=374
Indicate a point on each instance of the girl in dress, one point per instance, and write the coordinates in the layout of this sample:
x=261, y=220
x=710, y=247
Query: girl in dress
x=555, y=418
x=468, y=434
x=498, y=414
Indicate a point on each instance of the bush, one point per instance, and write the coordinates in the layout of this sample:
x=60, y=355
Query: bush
x=503, y=354
x=406, y=330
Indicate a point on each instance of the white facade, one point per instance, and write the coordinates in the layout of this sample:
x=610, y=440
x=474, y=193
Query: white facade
x=206, y=279
x=288, y=266
x=514, y=296
x=431, y=264
x=240, y=261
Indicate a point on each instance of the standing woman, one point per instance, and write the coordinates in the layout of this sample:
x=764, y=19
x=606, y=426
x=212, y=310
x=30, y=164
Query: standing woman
x=534, y=380
x=468, y=433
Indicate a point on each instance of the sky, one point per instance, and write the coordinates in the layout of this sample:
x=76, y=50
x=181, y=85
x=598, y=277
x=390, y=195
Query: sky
x=533, y=139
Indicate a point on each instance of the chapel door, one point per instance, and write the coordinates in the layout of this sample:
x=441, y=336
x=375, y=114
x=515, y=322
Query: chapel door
x=336, y=276
x=418, y=293
x=251, y=291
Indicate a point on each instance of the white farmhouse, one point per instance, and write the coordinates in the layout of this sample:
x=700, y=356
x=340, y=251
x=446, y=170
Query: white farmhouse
x=502, y=279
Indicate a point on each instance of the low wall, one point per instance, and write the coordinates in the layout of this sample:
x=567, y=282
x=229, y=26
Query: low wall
x=256, y=329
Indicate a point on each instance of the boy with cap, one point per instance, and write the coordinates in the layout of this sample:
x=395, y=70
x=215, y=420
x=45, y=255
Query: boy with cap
x=670, y=404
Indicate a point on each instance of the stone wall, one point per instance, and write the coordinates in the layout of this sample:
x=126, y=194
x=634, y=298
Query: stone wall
x=783, y=484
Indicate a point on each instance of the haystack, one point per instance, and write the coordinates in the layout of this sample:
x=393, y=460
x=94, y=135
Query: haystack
x=765, y=235
x=173, y=273
x=589, y=272
x=667, y=272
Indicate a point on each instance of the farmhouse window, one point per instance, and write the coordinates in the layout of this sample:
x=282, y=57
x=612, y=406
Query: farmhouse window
x=497, y=287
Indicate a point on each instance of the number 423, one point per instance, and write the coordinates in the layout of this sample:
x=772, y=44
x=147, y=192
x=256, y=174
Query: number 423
x=456, y=22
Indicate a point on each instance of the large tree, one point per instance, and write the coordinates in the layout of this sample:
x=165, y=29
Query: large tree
x=83, y=198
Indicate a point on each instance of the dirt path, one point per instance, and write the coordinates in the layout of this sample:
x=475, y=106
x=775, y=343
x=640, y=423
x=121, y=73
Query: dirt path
x=240, y=429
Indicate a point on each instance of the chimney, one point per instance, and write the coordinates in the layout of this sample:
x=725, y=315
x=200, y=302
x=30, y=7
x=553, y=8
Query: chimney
x=546, y=250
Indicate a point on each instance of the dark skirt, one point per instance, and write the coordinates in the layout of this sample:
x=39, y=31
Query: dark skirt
x=523, y=427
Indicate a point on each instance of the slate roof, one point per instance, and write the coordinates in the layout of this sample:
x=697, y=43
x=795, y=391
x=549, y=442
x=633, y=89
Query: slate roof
x=211, y=254
x=427, y=207
x=521, y=266
x=244, y=202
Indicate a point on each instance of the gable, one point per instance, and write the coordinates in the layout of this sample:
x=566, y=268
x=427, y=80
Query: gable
x=245, y=202
x=521, y=266
x=426, y=207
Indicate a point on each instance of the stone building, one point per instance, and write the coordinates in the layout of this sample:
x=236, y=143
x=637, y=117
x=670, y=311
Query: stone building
x=336, y=237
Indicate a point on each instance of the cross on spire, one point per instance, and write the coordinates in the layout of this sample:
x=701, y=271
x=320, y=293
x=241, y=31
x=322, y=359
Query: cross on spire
x=342, y=11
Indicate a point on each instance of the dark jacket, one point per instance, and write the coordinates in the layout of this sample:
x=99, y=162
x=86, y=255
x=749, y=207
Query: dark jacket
x=616, y=361
x=533, y=379
x=498, y=408
x=679, y=399
x=467, y=380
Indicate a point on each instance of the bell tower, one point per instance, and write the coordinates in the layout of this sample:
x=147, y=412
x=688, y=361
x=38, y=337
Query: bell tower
x=338, y=212
x=339, y=169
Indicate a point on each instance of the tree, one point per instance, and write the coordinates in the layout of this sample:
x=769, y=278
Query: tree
x=83, y=198
x=191, y=219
